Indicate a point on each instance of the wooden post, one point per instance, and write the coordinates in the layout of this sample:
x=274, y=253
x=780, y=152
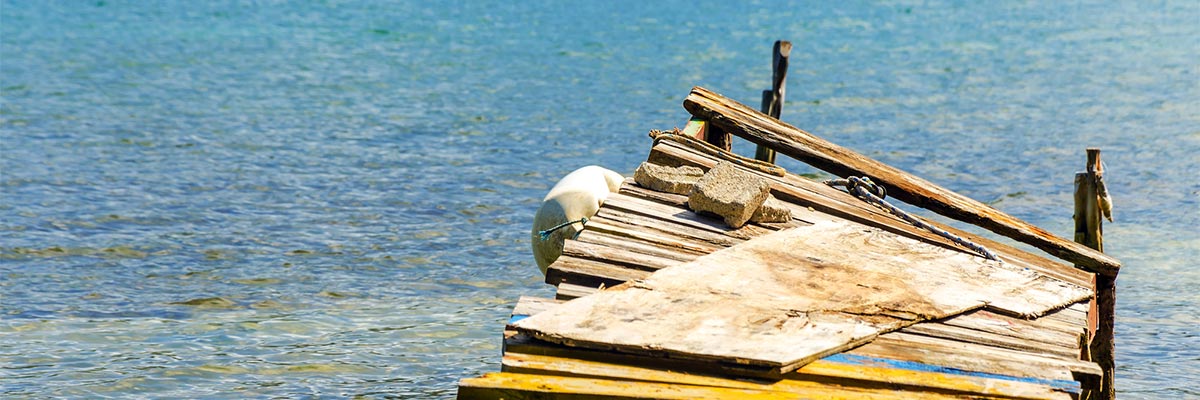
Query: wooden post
x=1089, y=231
x=772, y=100
x=718, y=137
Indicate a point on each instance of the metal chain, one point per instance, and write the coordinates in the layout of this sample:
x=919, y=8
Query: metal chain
x=868, y=191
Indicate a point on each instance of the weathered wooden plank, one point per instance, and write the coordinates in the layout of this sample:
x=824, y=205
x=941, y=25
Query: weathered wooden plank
x=632, y=189
x=680, y=202
x=974, y=357
x=510, y=386
x=827, y=200
x=529, y=305
x=526, y=355
x=570, y=291
x=837, y=379
x=639, y=246
x=668, y=226
x=584, y=272
x=990, y=339
x=761, y=129
x=785, y=299
x=623, y=229
x=1006, y=386
x=616, y=255
x=1039, y=330
x=1074, y=315
x=681, y=216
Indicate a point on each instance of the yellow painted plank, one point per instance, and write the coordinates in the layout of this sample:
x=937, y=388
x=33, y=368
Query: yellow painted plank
x=861, y=381
x=512, y=386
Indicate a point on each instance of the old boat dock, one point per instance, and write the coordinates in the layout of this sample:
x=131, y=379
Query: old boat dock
x=843, y=300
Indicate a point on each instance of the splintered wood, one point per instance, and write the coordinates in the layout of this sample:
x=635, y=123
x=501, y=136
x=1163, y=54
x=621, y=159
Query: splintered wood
x=782, y=300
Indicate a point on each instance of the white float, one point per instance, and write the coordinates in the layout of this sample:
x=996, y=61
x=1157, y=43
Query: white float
x=577, y=195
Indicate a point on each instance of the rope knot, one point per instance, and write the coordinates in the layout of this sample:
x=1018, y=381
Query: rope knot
x=866, y=184
x=545, y=235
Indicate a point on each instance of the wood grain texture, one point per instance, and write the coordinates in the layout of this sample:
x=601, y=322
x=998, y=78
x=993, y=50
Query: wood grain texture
x=790, y=297
x=752, y=125
x=511, y=386
x=827, y=202
x=1009, y=379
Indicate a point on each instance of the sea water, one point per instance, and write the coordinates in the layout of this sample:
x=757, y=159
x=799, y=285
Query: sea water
x=333, y=199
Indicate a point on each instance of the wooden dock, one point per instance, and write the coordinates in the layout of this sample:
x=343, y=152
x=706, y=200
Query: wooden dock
x=844, y=301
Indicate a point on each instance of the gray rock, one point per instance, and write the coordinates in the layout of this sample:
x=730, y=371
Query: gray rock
x=772, y=210
x=730, y=193
x=678, y=180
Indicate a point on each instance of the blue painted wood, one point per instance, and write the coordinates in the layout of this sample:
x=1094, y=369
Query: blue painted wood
x=1064, y=385
x=515, y=318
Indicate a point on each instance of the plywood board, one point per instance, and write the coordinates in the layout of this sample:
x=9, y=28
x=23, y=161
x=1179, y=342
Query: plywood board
x=784, y=299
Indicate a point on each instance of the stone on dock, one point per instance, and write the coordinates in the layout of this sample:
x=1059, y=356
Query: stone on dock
x=677, y=180
x=772, y=210
x=730, y=193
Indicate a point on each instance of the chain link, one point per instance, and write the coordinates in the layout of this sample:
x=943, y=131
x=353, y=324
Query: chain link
x=868, y=191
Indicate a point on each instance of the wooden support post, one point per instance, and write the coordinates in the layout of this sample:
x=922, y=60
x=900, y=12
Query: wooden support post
x=716, y=136
x=1089, y=231
x=772, y=100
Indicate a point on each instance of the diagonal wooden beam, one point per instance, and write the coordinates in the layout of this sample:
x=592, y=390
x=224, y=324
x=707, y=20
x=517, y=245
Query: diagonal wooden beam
x=761, y=129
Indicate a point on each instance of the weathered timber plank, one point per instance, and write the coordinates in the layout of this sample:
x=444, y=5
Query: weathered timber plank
x=680, y=216
x=826, y=379
x=616, y=255
x=894, y=373
x=1039, y=330
x=782, y=300
x=1074, y=315
x=623, y=229
x=529, y=305
x=666, y=226
x=974, y=357
x=989, y=339
x=510, y=386
x=527, y=355
x=569, y=291
x=680, y=202
x=828, y=200
x=632, y=189
x=585, y=272
x=639, y=246
x=517, y=342
x=761, y=129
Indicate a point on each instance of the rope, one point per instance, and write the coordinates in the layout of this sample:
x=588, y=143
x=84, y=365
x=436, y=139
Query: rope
x=868, y=191
x=546, y=233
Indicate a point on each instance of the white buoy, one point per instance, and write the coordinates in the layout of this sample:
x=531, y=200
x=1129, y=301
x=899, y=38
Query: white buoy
x=577, y=195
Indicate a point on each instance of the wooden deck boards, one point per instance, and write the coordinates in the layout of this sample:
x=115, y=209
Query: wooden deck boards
x=901, y=365
x=1004, y=350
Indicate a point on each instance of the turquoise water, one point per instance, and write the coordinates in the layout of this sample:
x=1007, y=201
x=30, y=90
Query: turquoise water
x=266, y=199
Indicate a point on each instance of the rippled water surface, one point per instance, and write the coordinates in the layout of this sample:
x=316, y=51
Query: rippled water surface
x=234, y=199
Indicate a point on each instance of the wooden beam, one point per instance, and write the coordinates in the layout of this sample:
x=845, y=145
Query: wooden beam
x=761, y=129
x=827, y=202
x=772, y=100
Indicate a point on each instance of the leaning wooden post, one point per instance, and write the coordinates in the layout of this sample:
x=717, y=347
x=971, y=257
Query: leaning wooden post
x=1089, y=231
x=772, y=100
